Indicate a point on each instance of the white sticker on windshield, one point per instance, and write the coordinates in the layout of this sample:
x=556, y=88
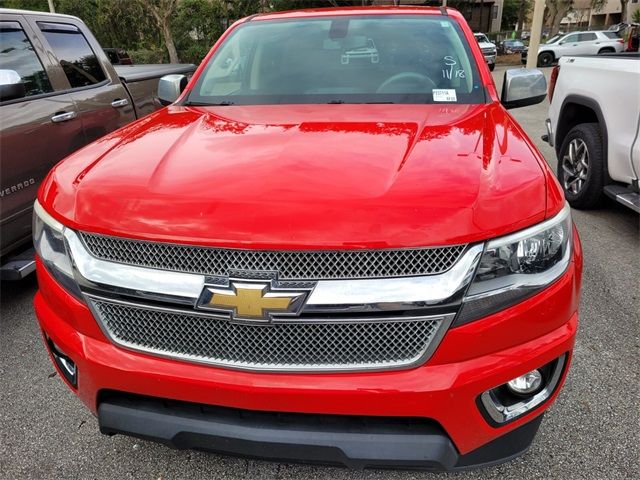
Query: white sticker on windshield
x=444, y=95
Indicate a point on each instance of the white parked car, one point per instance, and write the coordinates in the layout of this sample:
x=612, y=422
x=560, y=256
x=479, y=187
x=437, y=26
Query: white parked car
x=577, y=43
x=594, y=125
x=489, y=50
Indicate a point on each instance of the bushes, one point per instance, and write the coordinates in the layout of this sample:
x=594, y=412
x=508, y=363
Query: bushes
x=148, y=56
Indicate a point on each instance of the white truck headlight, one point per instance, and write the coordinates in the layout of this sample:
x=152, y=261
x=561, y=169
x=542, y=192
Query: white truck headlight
x=518, y=265
x=49, y=241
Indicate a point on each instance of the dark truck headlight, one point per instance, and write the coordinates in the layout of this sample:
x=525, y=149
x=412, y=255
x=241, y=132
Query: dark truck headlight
x=49, y=241
x=517, y=266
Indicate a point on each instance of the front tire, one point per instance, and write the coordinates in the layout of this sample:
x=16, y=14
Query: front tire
x=545, y=59
x=492, y=66
x=581, y=166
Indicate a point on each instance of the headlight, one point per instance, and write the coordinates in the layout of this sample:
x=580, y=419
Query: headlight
x=48, y=239
x=517, y=266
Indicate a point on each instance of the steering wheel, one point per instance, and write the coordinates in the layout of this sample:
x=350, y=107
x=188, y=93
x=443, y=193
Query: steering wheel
x=399, y=82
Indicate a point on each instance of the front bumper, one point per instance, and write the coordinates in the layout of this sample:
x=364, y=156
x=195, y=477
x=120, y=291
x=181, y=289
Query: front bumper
x=356, y=442
x=471, y=359
x=490, y=58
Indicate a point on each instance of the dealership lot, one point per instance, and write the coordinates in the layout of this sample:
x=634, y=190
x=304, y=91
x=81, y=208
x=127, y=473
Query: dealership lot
x=591, y=432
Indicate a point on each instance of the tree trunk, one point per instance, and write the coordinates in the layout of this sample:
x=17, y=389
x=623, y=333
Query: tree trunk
x=521, y=12
x=168, y=40
x=623, y=11
x=162, y=12
x=558, y=12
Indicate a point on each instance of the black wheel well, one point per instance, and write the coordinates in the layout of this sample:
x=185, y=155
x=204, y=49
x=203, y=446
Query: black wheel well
x=573, y=114
x=547, y=51
x=607, y=49
x=574, y=111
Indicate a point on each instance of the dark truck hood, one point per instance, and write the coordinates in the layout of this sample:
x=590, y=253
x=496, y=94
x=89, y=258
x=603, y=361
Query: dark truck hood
x=314, y=176
x=137, y=73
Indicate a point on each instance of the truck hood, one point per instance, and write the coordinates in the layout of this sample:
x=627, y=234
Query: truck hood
x=306, y=176
x=487, y=45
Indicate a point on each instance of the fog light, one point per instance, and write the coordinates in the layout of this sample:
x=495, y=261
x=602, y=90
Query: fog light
x=64, y=363
x=526, y=384
x=506, y=402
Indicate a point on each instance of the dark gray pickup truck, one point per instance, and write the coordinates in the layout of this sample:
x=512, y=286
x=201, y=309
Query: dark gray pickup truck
x=58, y=92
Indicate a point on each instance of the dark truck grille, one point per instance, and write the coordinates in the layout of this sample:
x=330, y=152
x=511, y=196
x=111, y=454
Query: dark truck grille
x=290, y=264
x=301, y=345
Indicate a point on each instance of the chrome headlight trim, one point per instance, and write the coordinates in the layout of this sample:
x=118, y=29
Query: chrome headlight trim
x=46, y=218
x=531, y=231
x=140, y=282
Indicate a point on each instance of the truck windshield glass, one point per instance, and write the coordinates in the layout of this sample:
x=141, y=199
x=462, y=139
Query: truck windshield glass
x=374, y=59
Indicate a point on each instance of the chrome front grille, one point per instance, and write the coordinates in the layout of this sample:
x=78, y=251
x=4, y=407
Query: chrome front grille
x=290, y=264
x=302, y=345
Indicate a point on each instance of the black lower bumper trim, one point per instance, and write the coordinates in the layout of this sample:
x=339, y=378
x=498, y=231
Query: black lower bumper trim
x=356, y=442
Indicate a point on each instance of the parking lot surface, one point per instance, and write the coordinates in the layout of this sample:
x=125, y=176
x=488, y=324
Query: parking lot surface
x=590, y=432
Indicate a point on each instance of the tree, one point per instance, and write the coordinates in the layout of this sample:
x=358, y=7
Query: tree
x=162, y=12
x=558, y=9
x=514, y=13
x=523, y=12
x=623, y=16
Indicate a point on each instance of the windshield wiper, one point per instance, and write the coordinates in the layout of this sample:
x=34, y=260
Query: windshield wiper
x=338, y=101
x=207, y=104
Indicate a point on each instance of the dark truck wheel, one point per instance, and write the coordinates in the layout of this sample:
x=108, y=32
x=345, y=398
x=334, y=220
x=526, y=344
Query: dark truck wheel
x=581, y=166
x=606, y=50
x=492, y=66
x=545, y=59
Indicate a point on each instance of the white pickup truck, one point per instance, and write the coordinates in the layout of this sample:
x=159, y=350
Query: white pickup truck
x=594, y=122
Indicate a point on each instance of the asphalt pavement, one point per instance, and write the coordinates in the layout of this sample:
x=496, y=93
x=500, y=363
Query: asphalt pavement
x=592, y=431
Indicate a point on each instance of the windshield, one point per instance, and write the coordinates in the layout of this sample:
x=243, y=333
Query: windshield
x=481, y=38
x=373, y=59
x=555, y=38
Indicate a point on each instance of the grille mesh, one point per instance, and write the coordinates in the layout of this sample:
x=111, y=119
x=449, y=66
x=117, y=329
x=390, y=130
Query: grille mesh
x=300, y=346
x=291, y=265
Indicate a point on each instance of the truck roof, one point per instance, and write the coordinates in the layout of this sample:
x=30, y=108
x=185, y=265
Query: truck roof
x=33, y=12
x=340, y=11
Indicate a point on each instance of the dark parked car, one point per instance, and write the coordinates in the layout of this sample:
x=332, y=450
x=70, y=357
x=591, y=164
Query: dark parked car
x=58, y=92
x=507, y=47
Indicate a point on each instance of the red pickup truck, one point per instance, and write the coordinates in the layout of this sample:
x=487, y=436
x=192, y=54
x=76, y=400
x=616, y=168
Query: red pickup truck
x=335, y=245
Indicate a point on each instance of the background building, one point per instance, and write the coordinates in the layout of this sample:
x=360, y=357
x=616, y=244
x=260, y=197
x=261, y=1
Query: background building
x=611, y=13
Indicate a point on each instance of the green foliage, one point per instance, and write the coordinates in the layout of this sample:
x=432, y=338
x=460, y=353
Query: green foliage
x=148, y=56
x=196, y=27
x=511, y=10
x=635, y=18
x=37, y=5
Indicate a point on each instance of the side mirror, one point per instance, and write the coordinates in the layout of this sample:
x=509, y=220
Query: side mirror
x=522, y=87
x=170, y=87
x=11, y=86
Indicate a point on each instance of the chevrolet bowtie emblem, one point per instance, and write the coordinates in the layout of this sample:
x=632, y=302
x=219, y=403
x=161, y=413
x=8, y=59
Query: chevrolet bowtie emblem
x=252, y=300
